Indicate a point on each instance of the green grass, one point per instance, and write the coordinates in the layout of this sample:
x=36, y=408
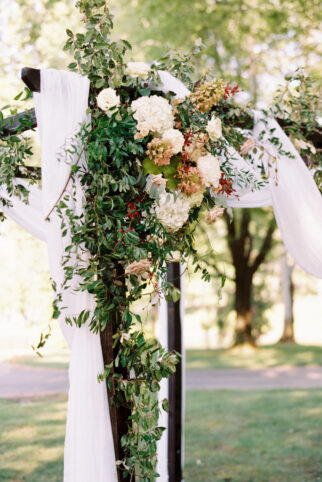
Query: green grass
x=32, y=439
x=266, y=356
x=258, y=436
x=51, y=360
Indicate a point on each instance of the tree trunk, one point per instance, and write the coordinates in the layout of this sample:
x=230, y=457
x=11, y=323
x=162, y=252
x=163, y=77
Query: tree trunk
x=244, y=315
x=288, y=298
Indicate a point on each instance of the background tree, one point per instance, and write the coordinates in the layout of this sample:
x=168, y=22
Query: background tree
x=253, y=42
x=287, y=268
x=249, y=238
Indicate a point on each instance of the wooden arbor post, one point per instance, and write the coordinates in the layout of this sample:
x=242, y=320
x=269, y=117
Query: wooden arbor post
x=175, y=382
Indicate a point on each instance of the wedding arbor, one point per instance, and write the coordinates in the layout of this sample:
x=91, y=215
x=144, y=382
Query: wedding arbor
x=111, y=226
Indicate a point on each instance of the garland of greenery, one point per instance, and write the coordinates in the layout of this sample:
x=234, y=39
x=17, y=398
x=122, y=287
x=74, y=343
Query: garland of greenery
x=124, y=228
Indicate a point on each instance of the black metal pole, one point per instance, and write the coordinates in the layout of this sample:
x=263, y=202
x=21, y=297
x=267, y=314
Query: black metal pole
x=175, y=382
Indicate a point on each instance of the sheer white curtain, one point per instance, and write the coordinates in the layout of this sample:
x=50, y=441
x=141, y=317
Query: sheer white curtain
x=292, y=192
x=60, y=109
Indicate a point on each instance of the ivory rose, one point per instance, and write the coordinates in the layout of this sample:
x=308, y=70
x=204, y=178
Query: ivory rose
x=175, y=138
x=209, y=169
x=107, y=99
x=214, y=129
x=138, y=69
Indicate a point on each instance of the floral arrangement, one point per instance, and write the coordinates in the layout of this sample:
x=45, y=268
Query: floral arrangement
x=155, y=164
x=177, y=142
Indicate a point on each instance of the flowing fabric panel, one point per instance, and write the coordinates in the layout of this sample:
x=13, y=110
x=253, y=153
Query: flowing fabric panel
x=89, y=450
x=27, y=216
x=292, y=192
x=296, y=199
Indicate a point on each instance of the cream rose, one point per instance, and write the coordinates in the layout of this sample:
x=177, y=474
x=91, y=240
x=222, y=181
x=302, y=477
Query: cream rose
x=175, y=138
x=214, y=214
x=210, y=170
x=156, y=179
x=138, y=69
x=107, y=99
x=214, y=129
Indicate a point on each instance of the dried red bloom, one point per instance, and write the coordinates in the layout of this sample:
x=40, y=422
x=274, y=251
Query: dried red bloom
x=230, y=91
x=132, y=212
x=225, y=185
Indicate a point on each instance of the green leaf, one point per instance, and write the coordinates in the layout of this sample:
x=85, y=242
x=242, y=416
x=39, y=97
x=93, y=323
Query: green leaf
x=150, y=168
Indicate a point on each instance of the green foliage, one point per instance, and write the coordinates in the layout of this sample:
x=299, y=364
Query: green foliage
x=297, y=101
x=245, y=40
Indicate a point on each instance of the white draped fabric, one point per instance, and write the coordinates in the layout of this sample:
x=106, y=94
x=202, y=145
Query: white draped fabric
x=60, y=109
x=292, y=192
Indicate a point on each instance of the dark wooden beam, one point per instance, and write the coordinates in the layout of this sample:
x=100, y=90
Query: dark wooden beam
x=18, y=123
x=31, y=77
x=175, y=381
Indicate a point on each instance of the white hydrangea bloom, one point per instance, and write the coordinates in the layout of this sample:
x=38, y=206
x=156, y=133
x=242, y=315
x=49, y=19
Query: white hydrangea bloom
x=138, y=69
x=172, y=211
x=209, y=168
x=107, y=99
x=153, y=112
x=175, y=138
x=214, y=129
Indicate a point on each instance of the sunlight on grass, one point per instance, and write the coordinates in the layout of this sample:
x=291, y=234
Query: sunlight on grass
x=230, y=435
x=32, y=439
x=245, y=357
x=266, y=356
x=256, y=436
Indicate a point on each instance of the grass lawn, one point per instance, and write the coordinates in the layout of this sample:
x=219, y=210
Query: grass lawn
x=230, y=436
x=247, y=357
x=257, y=436
x=266, y=356
x=32, y=439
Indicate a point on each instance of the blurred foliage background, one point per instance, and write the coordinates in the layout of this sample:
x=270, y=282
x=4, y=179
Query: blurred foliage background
x=254, y=43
